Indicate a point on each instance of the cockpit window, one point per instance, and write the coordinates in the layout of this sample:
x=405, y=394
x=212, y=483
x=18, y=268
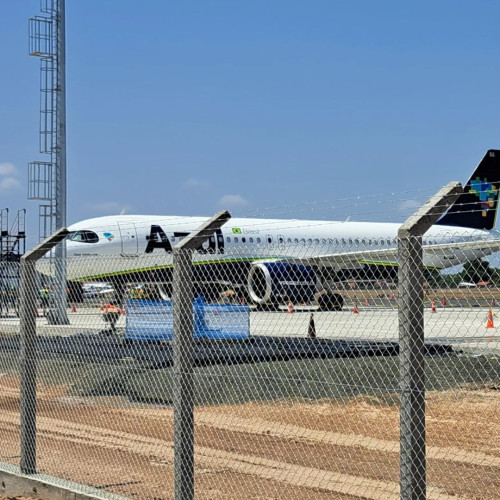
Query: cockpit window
x=83, y=236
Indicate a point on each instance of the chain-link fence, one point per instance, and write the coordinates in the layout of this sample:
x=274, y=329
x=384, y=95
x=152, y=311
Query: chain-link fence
x=277, y=345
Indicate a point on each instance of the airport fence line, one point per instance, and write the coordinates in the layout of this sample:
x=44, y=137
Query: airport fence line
x=309, y=368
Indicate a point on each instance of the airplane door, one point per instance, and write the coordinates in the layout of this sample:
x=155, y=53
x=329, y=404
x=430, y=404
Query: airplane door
x=128, y=235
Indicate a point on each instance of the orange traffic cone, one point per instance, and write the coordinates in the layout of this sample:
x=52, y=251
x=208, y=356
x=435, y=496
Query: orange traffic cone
x=444, y=302
x=433, y=306
x=355, y=310
x=489, y=322
x=290, y=309
x=73, y=307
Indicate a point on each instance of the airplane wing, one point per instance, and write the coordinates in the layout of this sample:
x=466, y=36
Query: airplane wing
x=439, y=256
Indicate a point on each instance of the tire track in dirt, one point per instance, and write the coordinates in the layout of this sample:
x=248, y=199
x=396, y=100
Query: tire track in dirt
x=217, y=460
x=263, y=427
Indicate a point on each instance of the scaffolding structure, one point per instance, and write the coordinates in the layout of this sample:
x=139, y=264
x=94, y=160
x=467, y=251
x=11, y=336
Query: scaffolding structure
x=12, y=247
x=47, y=179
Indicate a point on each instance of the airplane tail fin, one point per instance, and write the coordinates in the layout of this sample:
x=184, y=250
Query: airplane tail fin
x=477, y=206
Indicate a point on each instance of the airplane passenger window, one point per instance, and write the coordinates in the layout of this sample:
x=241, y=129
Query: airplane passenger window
x=84, y=236
x=350, y=241
x=316, y=241
x=356, y=241
x=269, y=239
x=280, y=240
x=243, y=240
x=228, y=239
x=388, y=242
x=375, y=242
x=236, y=239
x=289, y=240
x=303, y=241
x=258, y=240
x=309, y=241
x=382, y=242
x=250, y=240
x=323, y=241
x=296, y=240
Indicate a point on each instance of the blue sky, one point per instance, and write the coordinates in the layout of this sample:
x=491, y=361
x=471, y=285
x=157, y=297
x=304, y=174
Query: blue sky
x=189, y=107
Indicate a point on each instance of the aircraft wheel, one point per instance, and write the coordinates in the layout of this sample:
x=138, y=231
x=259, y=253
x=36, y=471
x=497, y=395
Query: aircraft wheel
x=331, y=302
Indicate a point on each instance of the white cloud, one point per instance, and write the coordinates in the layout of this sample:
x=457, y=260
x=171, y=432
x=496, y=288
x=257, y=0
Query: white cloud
x=193, y=183
x=233, y=200
x=409, y=205
x=7, y=169
x=8, y=181
x=8, y=184
x=108, y=208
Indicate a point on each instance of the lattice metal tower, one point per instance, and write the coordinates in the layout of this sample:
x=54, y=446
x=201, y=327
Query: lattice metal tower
x=47, y=179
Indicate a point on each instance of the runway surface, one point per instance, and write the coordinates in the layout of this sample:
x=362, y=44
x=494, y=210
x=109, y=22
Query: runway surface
x=464, y=328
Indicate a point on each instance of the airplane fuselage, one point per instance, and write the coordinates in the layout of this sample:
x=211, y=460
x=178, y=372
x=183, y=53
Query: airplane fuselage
x=130, y=243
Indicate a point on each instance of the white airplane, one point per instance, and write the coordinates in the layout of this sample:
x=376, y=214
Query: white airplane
x=278, y=259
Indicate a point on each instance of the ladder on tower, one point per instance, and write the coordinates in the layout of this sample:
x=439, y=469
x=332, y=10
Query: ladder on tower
x=42, y=174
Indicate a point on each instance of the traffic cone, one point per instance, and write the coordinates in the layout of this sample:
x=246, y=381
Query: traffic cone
x=311, y=331
x=433, y=306
x=290, y=309
x=73, y=307
x=444, y=302
x=489, y=322
x=355, y=310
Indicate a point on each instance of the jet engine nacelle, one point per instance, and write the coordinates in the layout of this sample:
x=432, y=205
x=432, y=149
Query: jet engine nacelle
x=278, y=282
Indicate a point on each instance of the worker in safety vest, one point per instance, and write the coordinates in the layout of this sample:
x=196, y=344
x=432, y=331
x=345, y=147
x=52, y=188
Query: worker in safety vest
x=44, y=299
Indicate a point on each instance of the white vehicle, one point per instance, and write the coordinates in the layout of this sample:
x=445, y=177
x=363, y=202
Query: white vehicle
x=276, y=259
x=97, y=290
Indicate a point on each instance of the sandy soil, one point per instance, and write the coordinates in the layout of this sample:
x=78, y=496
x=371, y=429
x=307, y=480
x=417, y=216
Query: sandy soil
x=285, y=449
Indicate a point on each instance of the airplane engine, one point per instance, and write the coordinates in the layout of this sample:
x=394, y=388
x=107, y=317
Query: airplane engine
x=278, y=282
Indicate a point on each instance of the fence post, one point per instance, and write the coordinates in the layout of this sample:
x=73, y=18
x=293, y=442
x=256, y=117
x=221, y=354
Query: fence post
x=411, y=341
x=184, y=355
x=28, y=298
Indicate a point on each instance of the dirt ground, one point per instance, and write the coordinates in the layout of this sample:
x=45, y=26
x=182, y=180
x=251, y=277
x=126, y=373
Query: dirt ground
x=282, y=449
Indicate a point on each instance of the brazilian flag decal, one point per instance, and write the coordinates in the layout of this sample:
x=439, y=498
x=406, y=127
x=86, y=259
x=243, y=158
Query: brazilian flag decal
x=237, y=230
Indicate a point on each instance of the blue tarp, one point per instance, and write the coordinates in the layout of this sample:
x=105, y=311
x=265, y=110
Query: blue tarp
x=154, y=320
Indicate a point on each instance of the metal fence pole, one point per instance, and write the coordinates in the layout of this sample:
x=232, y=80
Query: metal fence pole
x=184, y=356
x=28, y=298
x=411, y=341
x=183, y=376
x=27, y=305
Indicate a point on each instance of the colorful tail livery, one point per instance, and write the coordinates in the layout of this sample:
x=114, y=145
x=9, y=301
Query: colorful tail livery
x=477, y=207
